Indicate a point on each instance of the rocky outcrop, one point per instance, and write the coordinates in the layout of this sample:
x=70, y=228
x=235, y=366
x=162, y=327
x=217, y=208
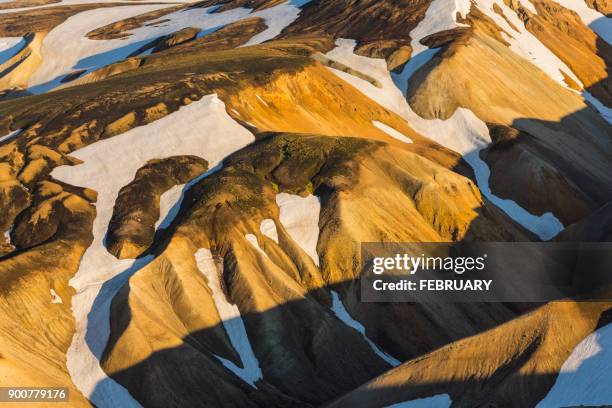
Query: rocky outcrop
x=37, y=326
x=121, y=28
x=137, y=208
x=229, y=36
x=381, y=28
x=603, y=6
x=40, y=19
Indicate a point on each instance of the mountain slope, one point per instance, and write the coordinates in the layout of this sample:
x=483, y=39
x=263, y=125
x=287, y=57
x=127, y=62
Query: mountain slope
x=184, y=188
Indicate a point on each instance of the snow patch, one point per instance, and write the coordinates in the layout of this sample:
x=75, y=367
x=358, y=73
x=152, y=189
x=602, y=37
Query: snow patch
x=9, y=47
x=392, y=132
x=463, y=132
x=55, y=298
x=253, y=241
x=9, y=136
x=276, y=19
x=232, y=321
x=167, y=203
x=435, y=401
x=300, y=217
x=7, y=235
x=203, y=129
x=268, y=228
x=342, y=314
x=584, y=378
x=440, y=16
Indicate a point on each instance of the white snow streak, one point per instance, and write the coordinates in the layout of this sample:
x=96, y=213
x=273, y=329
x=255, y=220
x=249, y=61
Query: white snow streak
x=261, y=100
x=232, y=321
x=253, y=241
x=584, y=379
x=167, y=203
x=435, y=401
x=55, y=298
x=202, y=128
x=342, y=314
x=463, y=132
x=8, y=42
x=10, y=135
x=300, y=217
x=268, y=228
x=7, y=235
x=9, y=46
x=392, y=132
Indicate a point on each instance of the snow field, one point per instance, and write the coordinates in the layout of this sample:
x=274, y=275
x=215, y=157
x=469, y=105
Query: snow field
x=300, y=217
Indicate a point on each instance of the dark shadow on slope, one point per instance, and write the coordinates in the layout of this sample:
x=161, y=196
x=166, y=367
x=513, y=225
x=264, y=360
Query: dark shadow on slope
x=562, y=167
x=192, y=374
x=603, y=89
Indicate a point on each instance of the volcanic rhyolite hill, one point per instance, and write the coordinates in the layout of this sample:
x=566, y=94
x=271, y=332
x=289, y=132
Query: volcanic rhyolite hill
x=183, y=188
